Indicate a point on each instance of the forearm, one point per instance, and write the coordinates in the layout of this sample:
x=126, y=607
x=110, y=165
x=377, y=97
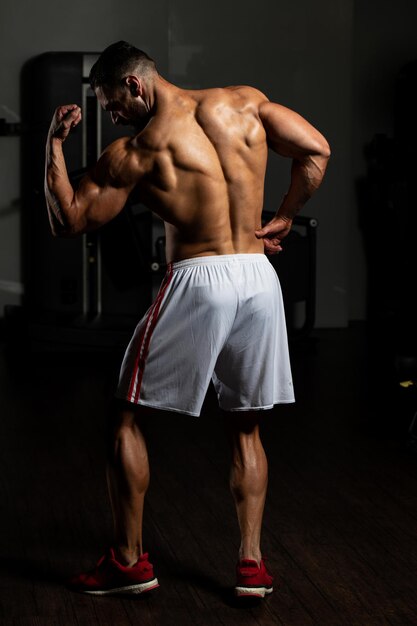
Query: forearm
x=59, y=193
x=306, y=178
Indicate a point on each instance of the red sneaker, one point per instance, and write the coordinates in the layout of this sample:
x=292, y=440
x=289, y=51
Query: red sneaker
x=110, y=577
x=252, y=579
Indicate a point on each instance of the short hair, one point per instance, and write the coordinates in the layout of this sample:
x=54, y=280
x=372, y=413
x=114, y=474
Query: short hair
x=116, y=62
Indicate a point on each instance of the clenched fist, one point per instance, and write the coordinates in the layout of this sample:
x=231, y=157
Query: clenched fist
x=65, y=117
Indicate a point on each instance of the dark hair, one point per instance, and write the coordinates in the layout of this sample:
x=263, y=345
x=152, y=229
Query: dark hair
x=116, y=62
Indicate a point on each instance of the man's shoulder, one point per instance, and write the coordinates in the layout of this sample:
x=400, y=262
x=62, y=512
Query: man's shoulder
x=120, y=159
x=233, y=94
x=118, y=147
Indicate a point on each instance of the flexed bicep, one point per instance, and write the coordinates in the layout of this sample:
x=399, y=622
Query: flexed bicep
x=104, y=190
x=96, y=202
x=101, y=194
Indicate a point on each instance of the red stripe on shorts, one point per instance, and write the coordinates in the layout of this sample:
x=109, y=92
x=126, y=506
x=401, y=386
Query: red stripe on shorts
x=145, y=338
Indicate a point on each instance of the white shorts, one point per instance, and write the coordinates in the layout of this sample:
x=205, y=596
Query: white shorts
x=215, y=317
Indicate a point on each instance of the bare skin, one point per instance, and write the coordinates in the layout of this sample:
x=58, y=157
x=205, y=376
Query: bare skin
x=127, y=480
x=248, y=480
x=198, y=161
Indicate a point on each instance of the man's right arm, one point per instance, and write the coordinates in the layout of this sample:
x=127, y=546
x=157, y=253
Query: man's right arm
x=290, y=135
x=101, y=194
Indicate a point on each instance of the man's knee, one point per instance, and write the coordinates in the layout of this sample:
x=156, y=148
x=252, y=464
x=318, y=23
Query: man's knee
x=123, y=417
x=245, y=422
x=119, y=413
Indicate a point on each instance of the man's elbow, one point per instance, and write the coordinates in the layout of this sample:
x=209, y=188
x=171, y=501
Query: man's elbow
x=67, y=230
x=67, y=225
x=62, y=233
x=325, y=151
x=322, y=157
x=67, y=233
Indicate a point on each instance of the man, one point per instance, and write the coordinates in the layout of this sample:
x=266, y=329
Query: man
x=198, y=160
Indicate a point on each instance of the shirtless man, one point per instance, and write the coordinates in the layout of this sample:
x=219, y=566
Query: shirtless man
x=198, y=160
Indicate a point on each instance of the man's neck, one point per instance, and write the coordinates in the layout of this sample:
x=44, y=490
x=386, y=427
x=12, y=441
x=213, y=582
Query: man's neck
x=162, y=93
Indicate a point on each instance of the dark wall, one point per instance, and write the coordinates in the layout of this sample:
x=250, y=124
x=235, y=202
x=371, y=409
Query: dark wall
x=384, y=42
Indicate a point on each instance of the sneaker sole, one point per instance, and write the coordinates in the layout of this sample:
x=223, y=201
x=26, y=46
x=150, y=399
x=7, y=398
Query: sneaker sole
x=253, y=592
x=128, y=590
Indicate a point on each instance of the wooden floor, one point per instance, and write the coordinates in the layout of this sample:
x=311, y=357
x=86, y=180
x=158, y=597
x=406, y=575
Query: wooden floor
x=340, y=530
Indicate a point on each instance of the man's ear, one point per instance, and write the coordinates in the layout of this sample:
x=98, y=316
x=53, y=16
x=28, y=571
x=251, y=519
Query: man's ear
x=134, y=85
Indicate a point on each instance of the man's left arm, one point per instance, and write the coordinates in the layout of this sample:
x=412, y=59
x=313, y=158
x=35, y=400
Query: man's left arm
x=290, y=135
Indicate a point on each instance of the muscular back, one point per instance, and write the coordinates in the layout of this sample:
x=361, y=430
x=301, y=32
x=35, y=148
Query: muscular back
x=200, y=164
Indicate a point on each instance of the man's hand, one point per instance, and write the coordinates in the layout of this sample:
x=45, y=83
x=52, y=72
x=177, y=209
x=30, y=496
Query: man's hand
x=273, y=233
x=65, y=118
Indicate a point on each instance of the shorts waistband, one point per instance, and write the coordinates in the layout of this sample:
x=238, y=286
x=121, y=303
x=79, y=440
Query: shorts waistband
x=219, y=259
